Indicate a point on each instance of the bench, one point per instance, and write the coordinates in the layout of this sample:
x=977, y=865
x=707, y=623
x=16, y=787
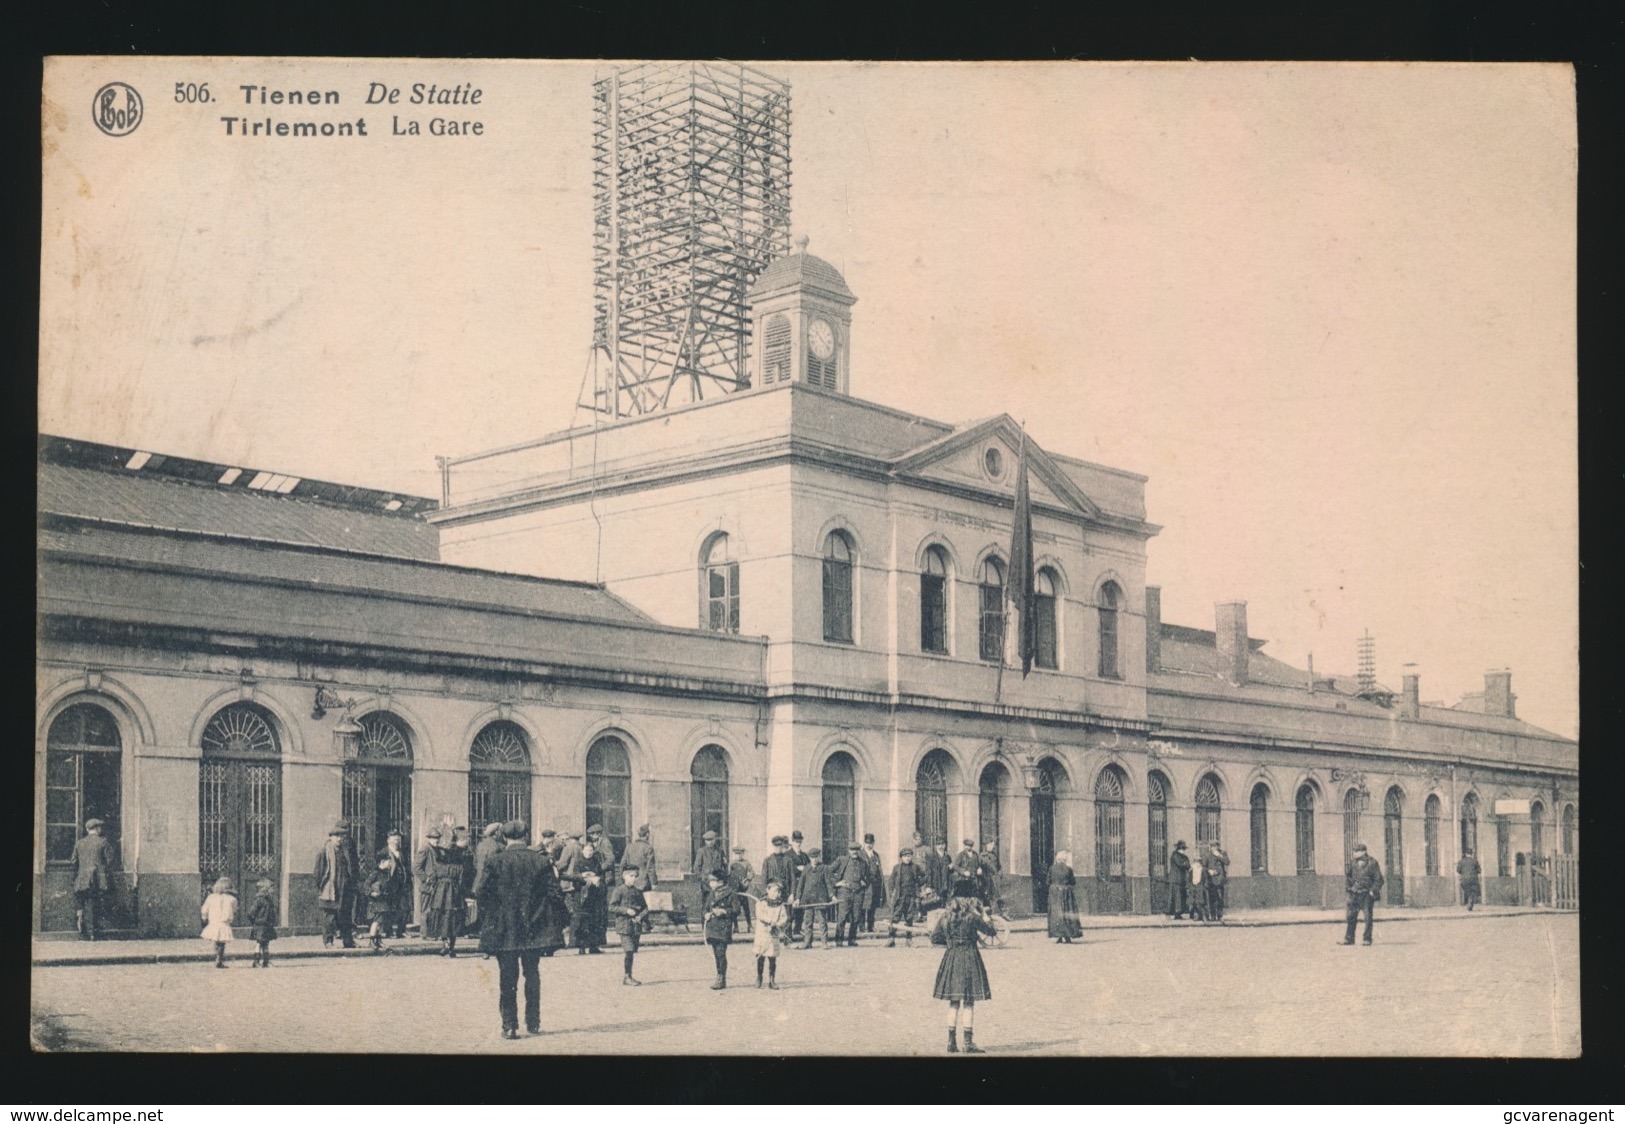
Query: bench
x=660, y=902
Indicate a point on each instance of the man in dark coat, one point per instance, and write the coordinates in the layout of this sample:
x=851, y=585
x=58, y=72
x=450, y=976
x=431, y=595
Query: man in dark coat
x=641, y=854
x=903, y=893
x=399, y=884
x=799, y=863
x=708, y=860
x=92, y=878
x=1468, y=870
x=742, y=876
x=945, y=872
x=422, y=874
x=925, y=863
x=967, y=865
x=1362, y=879
x=851, y=876
x=877, y=882
x=780, y=866
x=513, y=890
x=337, y=884
x=987, y=877
x=604, y=846
x=815, y=895
x=1179, y=881
x=1216, y=873
x=720, y=911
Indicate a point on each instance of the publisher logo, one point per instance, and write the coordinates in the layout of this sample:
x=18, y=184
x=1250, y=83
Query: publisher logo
x=117, y=109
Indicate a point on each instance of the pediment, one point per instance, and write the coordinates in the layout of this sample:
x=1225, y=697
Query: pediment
x=962, y=460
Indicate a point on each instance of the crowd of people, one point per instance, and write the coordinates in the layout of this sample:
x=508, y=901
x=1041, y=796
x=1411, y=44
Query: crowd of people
x=527, y=900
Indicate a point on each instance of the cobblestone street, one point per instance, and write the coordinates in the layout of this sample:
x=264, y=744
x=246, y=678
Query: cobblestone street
x=1506, y=986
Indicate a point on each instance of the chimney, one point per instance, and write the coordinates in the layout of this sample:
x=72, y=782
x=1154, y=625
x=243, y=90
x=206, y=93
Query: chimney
x=1410, y=690
x=1498, y=696
x=1230, y=637
x=1153, y=628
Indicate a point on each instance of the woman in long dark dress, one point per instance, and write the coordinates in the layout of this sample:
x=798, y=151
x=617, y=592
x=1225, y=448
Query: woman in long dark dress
x=445, y=909
x=962, y=977
x=1064, y=925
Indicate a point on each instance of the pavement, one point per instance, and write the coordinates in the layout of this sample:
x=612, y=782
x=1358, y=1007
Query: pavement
x=1501, y=983
x=57, y=952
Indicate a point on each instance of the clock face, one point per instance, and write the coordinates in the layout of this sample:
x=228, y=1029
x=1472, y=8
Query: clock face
x=821, y=338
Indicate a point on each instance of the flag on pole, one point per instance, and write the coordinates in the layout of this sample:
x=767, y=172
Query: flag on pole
x=1020, y=587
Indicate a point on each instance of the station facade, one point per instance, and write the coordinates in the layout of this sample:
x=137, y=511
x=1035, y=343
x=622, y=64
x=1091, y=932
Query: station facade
x=780, y=609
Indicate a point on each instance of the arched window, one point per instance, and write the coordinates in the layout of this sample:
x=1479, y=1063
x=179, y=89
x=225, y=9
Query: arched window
x=1352, y=803
x=1207, y=812
x=1430, y=836
x=1393, y=845
x=1156, y=802
x=498, y=775
x=239, y=797
x=609, y=789
x=1537, y=829
x=1469, y=824
x=934, y=601
x=991, y=789
x=1045, y=635
x=719, y=573
x=1568, y=829
x=708, y=796
x=776, y=350
x=931, y=783
x=1305, y=828
x=377, y=793
x=991, y=633
x=840, y=800
x=1258, y=828
x=83, y=756
x=1110, y=856
x=1111, y=599
x=838, y=588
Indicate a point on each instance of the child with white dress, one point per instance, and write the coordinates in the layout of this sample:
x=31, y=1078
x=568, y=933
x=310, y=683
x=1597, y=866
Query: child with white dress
x=219, y=911
x=772, y=921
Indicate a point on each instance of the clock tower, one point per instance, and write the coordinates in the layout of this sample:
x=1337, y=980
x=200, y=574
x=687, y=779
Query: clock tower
x=801, y=323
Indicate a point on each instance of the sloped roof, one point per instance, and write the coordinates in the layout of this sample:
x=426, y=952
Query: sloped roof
x=89, y=482
x=1004, y=426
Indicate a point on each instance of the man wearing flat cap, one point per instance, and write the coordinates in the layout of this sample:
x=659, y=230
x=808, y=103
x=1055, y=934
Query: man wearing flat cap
x=604, y=847
x=514, y=891
x=1362, y=879
x=903, y=891
x=337, y=882
x=967, y=864
x=741, y=877
x=1216, y=874
x=799, y=863
x=709, y=859
x=815, y=897
x=851, y=875
x=779, y=866
x=422, y=871
x=92, y=877
x=641, y=854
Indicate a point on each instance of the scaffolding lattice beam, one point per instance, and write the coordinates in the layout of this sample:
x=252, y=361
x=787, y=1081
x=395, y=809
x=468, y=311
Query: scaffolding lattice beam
x=691, y=201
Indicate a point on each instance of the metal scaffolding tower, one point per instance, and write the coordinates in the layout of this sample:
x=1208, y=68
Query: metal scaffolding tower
x=691, y=182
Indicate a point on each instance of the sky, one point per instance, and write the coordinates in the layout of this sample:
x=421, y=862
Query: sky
x=1328, y=309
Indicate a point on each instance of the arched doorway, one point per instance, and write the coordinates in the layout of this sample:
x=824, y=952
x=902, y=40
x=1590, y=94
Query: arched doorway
x=498, y=776
x=991, y=790
x=1052, y=783
x=708, y=797
x=377, y=796
x=609, y=790
x=840, y=803
x=1393, y=845
x=932, y=780
x=1111, y=866
x=83, y=780
x=240, y=799
x=1156, y=816
x=1469, y=826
